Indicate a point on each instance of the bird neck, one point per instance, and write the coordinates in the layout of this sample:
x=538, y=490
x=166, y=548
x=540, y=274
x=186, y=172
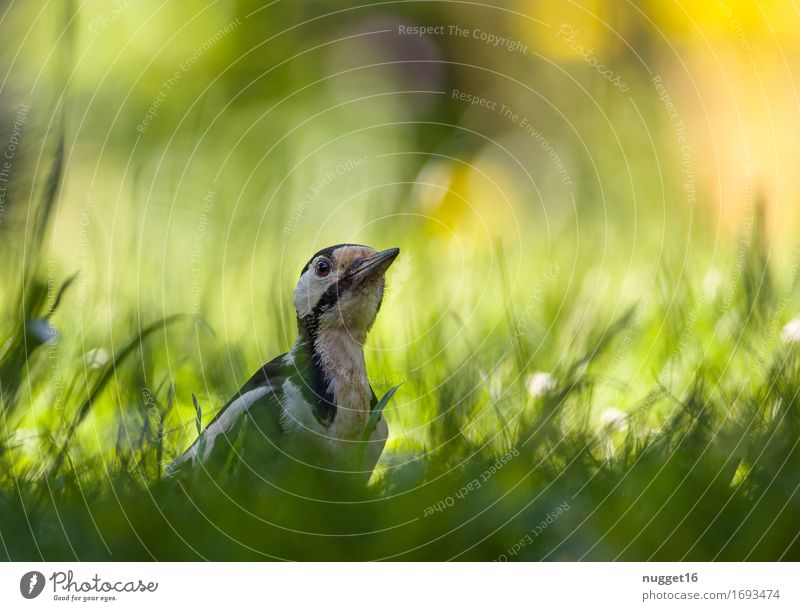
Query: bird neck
x=339, y=370
x=345, y=374
x=341, y=357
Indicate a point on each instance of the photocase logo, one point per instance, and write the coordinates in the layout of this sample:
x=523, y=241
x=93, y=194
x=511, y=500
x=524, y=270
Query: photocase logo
x=31, y=584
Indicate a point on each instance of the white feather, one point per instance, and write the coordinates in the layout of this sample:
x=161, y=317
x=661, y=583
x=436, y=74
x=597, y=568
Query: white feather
x=222, y=425
x=310, y=289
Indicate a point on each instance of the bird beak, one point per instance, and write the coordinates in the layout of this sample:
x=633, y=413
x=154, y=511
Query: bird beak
x=375, y=266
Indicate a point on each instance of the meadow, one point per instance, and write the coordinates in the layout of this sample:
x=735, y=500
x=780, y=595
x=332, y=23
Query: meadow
x=598, y=354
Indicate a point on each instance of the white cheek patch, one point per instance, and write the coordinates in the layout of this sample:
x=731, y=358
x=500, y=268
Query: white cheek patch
x=310, y=290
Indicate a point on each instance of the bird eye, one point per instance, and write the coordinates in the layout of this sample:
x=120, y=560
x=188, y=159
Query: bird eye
x=323, y=267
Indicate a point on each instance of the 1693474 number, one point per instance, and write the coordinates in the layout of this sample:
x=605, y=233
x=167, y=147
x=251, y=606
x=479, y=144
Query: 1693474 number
x=755, y=594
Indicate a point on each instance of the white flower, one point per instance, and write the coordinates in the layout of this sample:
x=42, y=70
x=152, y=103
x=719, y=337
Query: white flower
x=712, y=282
x=791, y=331
x=613, y=419
x=96, y=358
x=540, y=383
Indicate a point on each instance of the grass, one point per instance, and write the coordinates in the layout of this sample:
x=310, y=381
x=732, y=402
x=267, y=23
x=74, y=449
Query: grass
x=706, y=465
x=481, y=464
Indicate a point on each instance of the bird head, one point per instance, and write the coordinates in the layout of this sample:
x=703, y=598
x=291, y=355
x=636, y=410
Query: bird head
x=341, y=287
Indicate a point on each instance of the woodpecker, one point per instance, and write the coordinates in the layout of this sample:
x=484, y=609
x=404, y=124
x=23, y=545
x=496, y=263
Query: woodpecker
x=310, y=406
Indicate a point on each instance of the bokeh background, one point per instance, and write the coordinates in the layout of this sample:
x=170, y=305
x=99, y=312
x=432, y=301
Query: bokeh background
x=596, y=204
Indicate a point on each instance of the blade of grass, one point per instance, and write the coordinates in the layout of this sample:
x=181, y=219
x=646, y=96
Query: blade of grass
x=105, y=378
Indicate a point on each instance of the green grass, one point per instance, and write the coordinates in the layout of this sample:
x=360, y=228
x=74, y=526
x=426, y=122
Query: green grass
x=146, y=276
x=705, y=467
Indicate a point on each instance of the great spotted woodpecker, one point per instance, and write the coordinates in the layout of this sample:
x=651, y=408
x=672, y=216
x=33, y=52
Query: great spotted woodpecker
x=311, y=405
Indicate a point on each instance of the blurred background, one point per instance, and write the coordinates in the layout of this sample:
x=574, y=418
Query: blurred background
x=557, y=175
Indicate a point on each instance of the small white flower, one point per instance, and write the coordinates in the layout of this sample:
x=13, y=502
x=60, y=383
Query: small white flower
x=540, y=383
x=791, y=332
x=614, y=419
x=712, y=282
x=96, y=358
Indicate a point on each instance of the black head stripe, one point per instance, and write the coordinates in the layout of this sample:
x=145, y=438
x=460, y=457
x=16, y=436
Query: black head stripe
x=326, y=302
x=326, y=252
x=328, y=299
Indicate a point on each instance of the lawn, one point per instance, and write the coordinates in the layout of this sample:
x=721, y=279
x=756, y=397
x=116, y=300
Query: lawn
x=597, y=347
